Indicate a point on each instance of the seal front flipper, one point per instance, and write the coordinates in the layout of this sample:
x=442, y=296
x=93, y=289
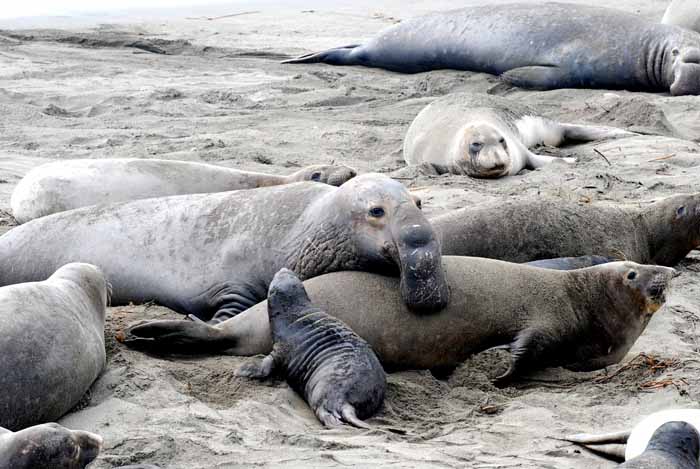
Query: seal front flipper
x=175, y=336
x=260, y=370
x=336, y=56
x=527, y=353
x=537, y=77
x=537, y=161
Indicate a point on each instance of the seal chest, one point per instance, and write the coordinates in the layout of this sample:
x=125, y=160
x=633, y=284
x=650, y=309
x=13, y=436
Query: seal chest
x=322, y=359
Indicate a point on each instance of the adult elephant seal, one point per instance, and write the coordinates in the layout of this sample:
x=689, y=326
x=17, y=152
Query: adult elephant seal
x=322, y=359
x=215, y=254
x=553, y=45
x=53, y=344
x=582, y=319
x=683, y=13
x=488, y=136
x=528, y=229
x=48, y=446
x=67, y=185
x=674, y=445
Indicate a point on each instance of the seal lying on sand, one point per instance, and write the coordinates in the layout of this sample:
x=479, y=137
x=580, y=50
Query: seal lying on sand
x=582, y=319
x=683, y=13
x=48, y=446
x=66, y=185
x=488, y=136
x=207, y=254
x=53, y=344
x=674, y=445
x=637, y=441
x=553, y=45
x=323, y=359
x=528, y=229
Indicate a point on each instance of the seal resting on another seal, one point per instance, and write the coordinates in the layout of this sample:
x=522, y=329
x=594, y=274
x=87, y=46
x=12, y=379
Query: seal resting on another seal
x=488, y=136
x=67, y=185
x=53, y=344
x=215, y=254
x=48, y=446
x=683, y=13
x=582, y=319
x=553, y=45
x=528, y=229
x=322, y=359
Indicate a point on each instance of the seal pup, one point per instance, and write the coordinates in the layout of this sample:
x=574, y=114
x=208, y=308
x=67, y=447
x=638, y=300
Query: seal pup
x=611, y=444
x=53, y=339
x=556, y=45
x=488, y=136
x=582, y=319
x=683, y=13
x=215, y=254
x=67, y=185
x=322, y=359
x=533, y=228
x=48, y=446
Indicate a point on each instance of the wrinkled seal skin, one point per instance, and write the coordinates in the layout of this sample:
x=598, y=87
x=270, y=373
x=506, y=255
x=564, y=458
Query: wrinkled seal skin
x=674, y=445
x=582, y=319
x=322, y=359
x=215, y=254
x=48, y=446
x=553, y=45
x=683, y=13
x=488, y=136
x=53, y=344
x=67, y=185
x=529, y=229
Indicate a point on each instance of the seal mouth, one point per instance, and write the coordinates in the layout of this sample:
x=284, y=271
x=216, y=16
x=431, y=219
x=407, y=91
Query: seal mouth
x=686, y=79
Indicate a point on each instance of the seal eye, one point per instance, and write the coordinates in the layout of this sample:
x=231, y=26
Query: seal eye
x=675, y=52
x=419, y=204
x=680, y=212
x=376, y=212
x=631, y=275
x=501, y=140
x=316, y=176
x=475, y=147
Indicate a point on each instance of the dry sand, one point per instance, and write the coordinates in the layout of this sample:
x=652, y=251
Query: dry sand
x=219, y=95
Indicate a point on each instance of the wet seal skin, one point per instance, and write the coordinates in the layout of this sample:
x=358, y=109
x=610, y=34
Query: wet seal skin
x=322, y=359
x=556, y=45
x=67, y=185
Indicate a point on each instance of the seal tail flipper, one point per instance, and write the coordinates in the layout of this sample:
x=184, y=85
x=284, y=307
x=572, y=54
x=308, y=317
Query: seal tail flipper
x=336, y=56
x=175, y=336
x=590, y=133
x=349, y=416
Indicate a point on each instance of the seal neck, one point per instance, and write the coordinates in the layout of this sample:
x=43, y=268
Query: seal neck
x=657, y=68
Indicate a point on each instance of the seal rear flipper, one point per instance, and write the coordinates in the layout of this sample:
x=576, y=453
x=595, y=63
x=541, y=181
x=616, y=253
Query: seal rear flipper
x=613, y=452
x=175, y=336
x=335, y=56
x=590, y=133
x=537, y=77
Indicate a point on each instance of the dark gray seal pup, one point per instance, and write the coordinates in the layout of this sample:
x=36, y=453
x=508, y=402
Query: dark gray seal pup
x=552, y=45
x=215, y=254
x=683, y=13
x=528, y=229
x=488, y=136
x=582, y=319
x=48, y=446
x=674, y=445
x=322, y=359
x=67, y=185
x=53, y=344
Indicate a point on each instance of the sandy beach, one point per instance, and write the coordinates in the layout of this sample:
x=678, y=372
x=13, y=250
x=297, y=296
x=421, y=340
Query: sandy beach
x=205, y=84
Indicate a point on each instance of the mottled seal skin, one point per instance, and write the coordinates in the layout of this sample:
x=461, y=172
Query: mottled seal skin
x=488, y=136
x=322, y=359
x=48, y=446
x=683, y=13
x=582, y=319
x=215, y=254
x=555, y=45
x=528, y=229
x=67, y=185
x=53, y=344
x=674, y=445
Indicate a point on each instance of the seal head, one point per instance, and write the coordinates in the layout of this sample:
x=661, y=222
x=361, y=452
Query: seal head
x=673, y=444
x=673, y=225
x=482, y=152
x=334, y=175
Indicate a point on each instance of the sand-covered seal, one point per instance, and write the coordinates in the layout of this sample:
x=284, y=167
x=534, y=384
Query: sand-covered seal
x=52, y=346
x=488, y=136
x=67, y=185
x=629, y=445
x=532, y=228
x=215, y=254
x=48, y=446
x=552, y=45
x=683, y=13
x=581, y=319
x=322, y=359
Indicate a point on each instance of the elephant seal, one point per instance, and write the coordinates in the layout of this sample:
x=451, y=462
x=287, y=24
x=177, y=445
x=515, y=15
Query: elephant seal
x=322, y=359
x=53, y=339
x=67, y=185
x=673, y=445
x=528, y=229
x=638, y=440
x=48, y=446
x=581, y=319
x=488, y=136
x=553, y=45
x=683, y=13
x=215, y=254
